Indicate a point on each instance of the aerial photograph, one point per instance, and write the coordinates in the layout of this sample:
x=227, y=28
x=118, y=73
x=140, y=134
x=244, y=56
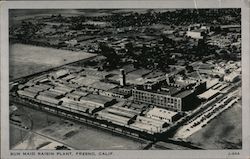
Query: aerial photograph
x=125, y=79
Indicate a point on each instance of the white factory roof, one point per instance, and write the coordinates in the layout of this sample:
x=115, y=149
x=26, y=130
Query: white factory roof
x=60, y=73
x=208, y=94
x=159, y=112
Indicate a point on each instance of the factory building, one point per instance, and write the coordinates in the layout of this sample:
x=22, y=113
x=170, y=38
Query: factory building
x=97, y=100
x=26, y=94
x=48, y=99
x=117, y=93
x=163, y=114
x=179, y=96
x=158, y=99
x=149, y=125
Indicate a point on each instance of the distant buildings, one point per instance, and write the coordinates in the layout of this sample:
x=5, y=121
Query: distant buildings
x=196, y=34
x=197, y=31
x=231, y=28
x=232, y=77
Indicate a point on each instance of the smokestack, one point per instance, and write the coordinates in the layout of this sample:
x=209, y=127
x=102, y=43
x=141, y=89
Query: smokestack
x=122, y=77
x=167, y=79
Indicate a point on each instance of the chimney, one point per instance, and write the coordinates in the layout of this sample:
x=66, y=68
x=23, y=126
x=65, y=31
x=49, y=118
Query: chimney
x=167, y=79
x=122, y=77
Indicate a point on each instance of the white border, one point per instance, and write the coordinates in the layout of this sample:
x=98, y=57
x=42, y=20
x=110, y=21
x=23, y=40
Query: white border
x=244, y=5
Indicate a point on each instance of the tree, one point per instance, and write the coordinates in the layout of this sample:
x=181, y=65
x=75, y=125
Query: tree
x=130, y=49
x=112, y=58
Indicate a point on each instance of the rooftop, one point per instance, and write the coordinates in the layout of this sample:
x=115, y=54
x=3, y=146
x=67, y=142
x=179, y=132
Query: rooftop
x=161, y=112
x=198, y=30
x=184, y=93
x=97, y=98
x=208, y=94
x=85, y=81
x=102, y=85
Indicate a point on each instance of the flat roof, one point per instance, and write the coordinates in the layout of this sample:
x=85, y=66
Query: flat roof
x=92, y=72
x=231, y=26
x=97, y=98
x=165, y=90
x=208, y=94
x=141, y=72
x=86, y=81
x=197, y=30
x=102, y=85
x=184, y=93
x=161, y=112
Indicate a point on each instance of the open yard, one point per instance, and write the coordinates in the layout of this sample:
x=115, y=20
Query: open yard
x=76, y=135
x=27, y=59
x=224, y=132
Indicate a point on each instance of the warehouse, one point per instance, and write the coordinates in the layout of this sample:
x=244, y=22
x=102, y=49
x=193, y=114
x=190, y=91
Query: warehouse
x=80, y=106
x=120, y=120
x=162, y=114
x=50, y=93
x=73, y=96
x=69, y=77
x=26, y=94
x=148, y=125
x=63, y=88
x=58, y=91
x=121, y=111
x=48, y=99
x=101, y=86
x=81, y=93
x=95, y=73
x=22, y=86
x=43, y=86
x=83, y=81
x=75, y=105
x=60, y=73
x=129, y=110
x=33, y=90
x=97, y=100
x=210, y=94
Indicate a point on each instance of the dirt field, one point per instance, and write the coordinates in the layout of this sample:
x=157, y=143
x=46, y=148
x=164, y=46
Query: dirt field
x=28, y=59
x=224, y=132
x=17, y=135
x=78, y=136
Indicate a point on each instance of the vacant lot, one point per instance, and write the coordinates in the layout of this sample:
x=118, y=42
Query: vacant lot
x=76, y=135
x=27, y=59
x=224, y=132
x=16, y=136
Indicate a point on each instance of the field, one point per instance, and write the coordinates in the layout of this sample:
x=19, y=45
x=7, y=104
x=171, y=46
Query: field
x=76, y=135
x=16, y=136
x=224, y=132
x=27, y=59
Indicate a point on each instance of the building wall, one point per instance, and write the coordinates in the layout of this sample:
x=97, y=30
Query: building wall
x=164, y=101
